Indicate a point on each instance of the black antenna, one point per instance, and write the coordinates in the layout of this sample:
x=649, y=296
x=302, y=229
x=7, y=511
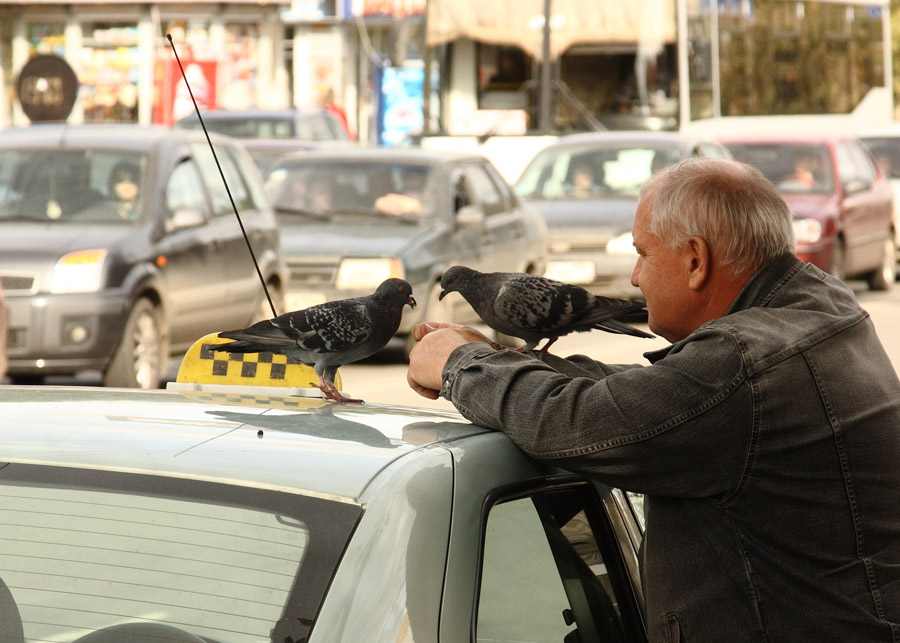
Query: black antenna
x=222, y=174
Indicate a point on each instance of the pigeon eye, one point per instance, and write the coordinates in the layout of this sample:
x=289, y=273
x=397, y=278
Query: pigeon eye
x=402, y=288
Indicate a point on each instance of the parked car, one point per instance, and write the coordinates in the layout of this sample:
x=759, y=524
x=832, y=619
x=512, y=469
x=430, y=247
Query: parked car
x=842, y=203
x=884, y=144
x=97, y=281
x=352, y=218
x=587, y=188
x=308, y=124
x=150, y=515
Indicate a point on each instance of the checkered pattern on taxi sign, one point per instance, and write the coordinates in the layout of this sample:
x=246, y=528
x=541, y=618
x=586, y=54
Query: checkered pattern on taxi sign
x=272, y=366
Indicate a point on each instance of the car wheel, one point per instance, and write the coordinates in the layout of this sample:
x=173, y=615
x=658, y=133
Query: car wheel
x=838, y=269
x=883, y=278
x=143, y=350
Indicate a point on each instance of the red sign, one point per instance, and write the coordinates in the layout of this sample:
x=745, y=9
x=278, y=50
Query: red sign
x=171, y=98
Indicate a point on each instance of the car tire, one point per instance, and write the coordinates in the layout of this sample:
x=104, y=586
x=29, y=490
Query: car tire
x=883, y=278
x=838, y=267
x=143, y=351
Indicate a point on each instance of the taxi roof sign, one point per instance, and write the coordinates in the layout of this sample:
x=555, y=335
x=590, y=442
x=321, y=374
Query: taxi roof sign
x=203, y=368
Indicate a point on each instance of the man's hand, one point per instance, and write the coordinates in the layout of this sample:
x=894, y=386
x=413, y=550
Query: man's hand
x=434, y=343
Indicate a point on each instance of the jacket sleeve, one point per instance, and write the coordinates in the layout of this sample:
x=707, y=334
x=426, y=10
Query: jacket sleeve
x=681, y=426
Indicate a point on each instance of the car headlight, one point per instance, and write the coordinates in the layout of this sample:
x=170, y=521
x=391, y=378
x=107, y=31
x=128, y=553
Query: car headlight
x=80, y=271
x=807, y=230
x=365, y=274
x=621, y=245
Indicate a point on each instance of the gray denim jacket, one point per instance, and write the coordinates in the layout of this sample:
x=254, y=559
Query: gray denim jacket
x=767, y=442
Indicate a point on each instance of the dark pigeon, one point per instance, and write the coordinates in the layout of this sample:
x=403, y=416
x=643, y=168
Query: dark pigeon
x=533, y=308
x=329, y=335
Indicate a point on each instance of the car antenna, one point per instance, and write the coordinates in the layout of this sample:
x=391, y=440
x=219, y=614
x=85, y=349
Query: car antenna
x=222, y=174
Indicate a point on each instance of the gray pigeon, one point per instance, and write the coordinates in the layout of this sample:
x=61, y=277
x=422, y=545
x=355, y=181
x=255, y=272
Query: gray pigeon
x=329, y=335
x=534, y=308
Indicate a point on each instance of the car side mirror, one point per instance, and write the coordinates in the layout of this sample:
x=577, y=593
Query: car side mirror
x=184, y=218
x=470, y=217
x=852, y=186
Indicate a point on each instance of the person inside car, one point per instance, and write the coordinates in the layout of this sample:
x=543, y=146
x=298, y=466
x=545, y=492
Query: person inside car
x=411, y=196
x=124, y=186
x=765, y=438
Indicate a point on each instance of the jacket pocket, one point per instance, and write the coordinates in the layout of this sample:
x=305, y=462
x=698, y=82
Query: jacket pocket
x=673, y=628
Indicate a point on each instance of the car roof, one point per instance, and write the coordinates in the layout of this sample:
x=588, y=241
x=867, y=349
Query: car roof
x=123, y=136
x=398, y=155
x=641, y=137
x=786, y=138
x=291, y=444
x=241, y=114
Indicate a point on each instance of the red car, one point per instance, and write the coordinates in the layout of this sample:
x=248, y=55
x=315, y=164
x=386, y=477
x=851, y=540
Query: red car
x=842, y=202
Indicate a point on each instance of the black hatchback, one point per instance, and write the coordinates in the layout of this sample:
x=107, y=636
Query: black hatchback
x=119, y=247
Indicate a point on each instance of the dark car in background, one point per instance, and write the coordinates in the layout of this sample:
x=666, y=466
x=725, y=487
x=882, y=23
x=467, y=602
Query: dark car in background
x=308, y=124
x=587, y=187
x=119, y=247
x=265, y=151
x=352, y=218
x=841, y=201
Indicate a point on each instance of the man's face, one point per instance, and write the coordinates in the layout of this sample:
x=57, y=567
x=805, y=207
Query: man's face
x=661, y=275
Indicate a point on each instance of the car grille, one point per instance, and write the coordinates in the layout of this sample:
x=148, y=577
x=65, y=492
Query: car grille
x=17, y=283
x=312, y=275
x=16, y=338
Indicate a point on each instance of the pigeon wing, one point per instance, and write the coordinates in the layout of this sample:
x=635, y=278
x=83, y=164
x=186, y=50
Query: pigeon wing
x=540, y=304
x=332, y=327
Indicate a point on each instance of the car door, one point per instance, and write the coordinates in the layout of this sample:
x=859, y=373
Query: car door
x=538, y=554
x=875, y=220
x=502, y=239
x=859, y=212
x=188, y=254
x=240, y=285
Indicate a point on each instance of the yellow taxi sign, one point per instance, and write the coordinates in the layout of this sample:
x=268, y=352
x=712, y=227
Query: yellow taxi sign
x=203, y=364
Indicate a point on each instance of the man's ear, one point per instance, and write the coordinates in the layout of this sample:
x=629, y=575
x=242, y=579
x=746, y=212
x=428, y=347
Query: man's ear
x=699, y=259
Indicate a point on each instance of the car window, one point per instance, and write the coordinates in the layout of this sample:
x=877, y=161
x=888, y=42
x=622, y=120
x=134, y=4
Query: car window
x=221, y=203
x=847, y=170
x=884, y=148
x=379, y=189
x=792, y=167
x=71, y=185
x=485, y=190
x=863, y=164
x=184, y=189
x=589, y=172
x=218, y=562
x=712, y=151
x=547, y=572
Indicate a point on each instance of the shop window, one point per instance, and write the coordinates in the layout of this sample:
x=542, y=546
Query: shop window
x=108, y=72
x=46, y=39
x=503, y=74
x=239, y=71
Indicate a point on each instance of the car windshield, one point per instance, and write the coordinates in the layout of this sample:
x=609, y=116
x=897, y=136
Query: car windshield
x=793, y=168
x=383, y=189
x=70, y=185
x=592, y=172
x=139, y=556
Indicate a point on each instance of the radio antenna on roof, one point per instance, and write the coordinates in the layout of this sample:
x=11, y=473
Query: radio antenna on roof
x=222, y=174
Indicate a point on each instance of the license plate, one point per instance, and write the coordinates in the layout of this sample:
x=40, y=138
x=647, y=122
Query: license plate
x=571, y=272
x=301, y=300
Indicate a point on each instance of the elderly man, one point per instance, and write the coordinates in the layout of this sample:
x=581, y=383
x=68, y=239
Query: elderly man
x=766, y=437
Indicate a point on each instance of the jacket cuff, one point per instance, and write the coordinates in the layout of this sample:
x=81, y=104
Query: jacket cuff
x=459, y=359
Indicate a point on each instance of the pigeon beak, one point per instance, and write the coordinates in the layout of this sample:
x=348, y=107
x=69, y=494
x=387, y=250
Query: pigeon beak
x=441, y=296
x=412, y=302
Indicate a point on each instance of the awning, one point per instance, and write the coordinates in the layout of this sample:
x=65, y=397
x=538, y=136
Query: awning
x=573, y=22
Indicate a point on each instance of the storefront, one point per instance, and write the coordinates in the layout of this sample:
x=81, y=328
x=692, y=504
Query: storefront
x=125, y=66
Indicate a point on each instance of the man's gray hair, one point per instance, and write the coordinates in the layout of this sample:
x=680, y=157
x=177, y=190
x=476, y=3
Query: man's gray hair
x=730, y=205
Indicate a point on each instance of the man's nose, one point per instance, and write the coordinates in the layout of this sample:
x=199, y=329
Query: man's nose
x=635, y=273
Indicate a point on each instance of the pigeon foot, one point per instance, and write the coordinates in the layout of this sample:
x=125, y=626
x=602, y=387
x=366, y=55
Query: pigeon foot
x=332, y=393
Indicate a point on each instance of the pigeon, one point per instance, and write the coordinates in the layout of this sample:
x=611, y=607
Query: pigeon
x=327, y=336
x=533, y=308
